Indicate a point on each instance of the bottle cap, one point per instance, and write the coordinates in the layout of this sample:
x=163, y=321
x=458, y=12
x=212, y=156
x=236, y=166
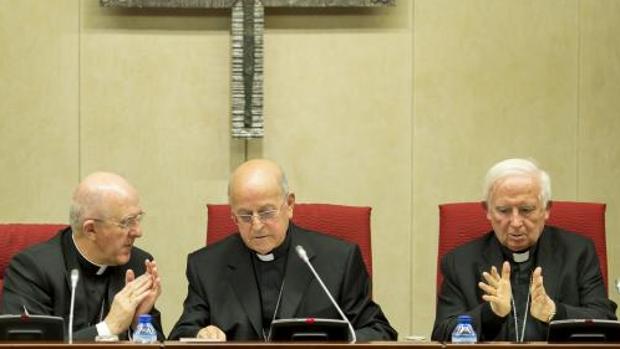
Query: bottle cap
x=464, y=319
x=144, y=318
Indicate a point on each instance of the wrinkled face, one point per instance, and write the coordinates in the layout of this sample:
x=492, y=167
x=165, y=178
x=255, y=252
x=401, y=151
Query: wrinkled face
x=114, y=234
x=516, y=212
x=262, y=215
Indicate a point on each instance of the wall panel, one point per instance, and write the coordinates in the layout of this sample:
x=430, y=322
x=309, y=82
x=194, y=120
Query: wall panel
x=599, y=125
x=38, y=109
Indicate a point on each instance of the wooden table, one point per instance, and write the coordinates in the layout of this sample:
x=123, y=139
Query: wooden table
x=300, y=345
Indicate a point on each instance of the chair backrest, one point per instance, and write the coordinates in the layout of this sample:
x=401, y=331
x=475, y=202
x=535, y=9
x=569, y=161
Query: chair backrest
x=16, y=237
x=465, y=221
x=351, y=223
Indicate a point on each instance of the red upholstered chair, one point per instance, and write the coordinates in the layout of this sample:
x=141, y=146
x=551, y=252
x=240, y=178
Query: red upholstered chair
x=462, y=222
x=16, y=237
x=350, y=223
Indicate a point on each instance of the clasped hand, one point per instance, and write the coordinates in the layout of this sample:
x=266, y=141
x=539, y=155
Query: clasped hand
x=498, y=292
x=136, y=298
x=212, y=332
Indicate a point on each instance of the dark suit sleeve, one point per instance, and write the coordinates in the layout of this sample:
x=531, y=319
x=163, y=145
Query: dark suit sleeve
x=452, y=302
x=592, y=296
x=196, y=314
x=25, y=287
x=27, y=284
x=366, y=316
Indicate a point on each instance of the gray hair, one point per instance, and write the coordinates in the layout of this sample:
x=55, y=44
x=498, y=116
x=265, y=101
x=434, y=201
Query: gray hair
x=284, y=185
x=75, y=216
x=517, y=167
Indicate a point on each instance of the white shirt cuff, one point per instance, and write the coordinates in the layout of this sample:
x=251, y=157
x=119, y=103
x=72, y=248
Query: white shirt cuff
x=103, y=329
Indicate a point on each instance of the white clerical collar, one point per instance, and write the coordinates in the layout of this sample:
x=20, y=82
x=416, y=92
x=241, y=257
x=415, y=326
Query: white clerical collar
x=101, y=269
x=520, y=257
x=265, y=257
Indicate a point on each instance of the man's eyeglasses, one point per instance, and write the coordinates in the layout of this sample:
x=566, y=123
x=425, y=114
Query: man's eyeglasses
x=131, y=222
x=263, y=216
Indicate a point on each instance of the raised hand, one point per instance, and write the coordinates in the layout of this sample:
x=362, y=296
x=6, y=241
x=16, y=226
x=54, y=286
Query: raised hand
x=126, y=301
x=497, y=290
x=153, y=293
x=543, y=307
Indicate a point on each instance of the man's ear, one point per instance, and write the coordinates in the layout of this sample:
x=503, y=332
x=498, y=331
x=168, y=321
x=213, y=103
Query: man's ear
x=290, y=202
x=548, y=209
x=88, y=229
x=485, y=206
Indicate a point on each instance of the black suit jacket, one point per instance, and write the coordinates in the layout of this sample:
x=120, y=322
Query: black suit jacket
x=39, y=278
x=571, y=274
x=222, y=288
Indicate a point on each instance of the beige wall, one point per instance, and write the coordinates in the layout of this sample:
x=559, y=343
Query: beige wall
x=400, y=109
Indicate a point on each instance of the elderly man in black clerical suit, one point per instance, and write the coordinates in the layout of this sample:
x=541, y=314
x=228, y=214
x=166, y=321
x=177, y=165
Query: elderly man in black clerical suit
x=498, y=279
x=238, y=286
x=117, y=281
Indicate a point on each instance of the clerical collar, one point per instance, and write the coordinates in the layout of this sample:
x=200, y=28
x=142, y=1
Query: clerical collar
x=519, y=256
x=265, y=257
x=86, y=263
x=277, y=252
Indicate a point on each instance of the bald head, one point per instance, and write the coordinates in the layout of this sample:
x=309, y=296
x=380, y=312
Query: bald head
x=257, y=175
x=258, y=189
x=98, y=195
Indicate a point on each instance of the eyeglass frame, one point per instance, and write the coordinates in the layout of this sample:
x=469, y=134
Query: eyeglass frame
x=127, y=223
x=248, y=219
x=523, y=211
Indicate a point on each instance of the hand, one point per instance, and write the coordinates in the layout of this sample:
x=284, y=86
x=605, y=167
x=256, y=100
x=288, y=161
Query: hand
x=497, y=289
x=212, y=332
x=126, y=301
x=149, y=301
x=542, y=307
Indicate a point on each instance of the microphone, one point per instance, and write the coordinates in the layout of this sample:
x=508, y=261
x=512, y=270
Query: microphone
x=75, y=275
x=301, y=252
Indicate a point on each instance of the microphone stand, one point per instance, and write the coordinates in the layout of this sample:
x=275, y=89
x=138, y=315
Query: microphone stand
x=75, y=275
x=301, y=252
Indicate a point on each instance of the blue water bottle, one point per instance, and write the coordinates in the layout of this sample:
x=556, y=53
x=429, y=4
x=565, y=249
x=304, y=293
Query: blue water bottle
x=145, y=332
x=464, y=331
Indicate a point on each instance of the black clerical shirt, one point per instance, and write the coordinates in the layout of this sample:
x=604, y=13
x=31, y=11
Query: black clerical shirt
x=269, y=278
x=520, y=279
x=95, y=280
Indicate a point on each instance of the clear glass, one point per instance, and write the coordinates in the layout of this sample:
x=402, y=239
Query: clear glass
x=464, y=331
x=128, y=223
x=145, y=332
x=263, y=217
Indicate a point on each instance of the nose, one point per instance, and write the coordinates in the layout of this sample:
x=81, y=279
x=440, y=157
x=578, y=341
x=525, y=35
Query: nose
x=256, y=223
x=136, y=231
x=515, y=218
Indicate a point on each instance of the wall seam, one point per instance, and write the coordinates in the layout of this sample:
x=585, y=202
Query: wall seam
x=411, y=149
x=578, y=101
x=79, y=92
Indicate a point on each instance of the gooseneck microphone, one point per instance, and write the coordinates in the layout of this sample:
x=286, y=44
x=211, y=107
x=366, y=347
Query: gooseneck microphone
x=75, y=275
x=301, y=252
